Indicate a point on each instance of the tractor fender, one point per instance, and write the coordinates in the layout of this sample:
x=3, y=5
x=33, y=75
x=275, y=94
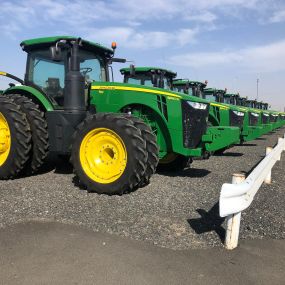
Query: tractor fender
x=153, y=118
x=36, y=96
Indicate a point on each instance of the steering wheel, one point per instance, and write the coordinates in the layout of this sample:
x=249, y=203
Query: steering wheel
x=85, y=70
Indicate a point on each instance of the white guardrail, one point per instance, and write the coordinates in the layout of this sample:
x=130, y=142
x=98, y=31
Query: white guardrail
x=236, y=197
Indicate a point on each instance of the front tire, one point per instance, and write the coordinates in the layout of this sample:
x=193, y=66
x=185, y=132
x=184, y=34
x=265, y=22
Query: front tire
x=108, y=154
x=151, y=148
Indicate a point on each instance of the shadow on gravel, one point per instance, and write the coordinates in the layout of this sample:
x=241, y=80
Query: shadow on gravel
x=60, y=165
x=189, y=172
x=232, y=154
x=261, y=139
x=209, y=221
x=247, y=144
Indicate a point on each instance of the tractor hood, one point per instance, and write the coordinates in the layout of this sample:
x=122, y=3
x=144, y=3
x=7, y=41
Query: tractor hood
x=146, y=89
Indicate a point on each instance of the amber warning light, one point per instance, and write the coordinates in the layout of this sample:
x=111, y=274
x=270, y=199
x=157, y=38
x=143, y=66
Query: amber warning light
x=114, y=45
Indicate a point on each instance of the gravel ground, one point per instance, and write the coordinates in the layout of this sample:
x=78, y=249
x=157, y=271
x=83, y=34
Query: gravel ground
x=178, y=210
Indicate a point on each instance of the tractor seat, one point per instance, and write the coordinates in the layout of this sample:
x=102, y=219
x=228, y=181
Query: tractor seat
x=54, y=90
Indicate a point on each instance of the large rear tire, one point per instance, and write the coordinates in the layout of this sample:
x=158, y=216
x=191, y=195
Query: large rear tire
x=151, y=148
x=108, y=154
x=39, y=132
x=15, y=139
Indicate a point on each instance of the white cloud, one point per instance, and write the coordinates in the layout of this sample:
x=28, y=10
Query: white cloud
x=267, y=58
x=204, y=17
x=278, y=16
x=136, y=21
x=78, y=13
x=130, y=38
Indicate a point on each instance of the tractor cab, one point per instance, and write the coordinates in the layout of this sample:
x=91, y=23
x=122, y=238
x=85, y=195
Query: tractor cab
x=264, y=106
x=253, y=104
x=214, y=95
x=50, y=59
x=149, y=76
x=231, y=99
x=189, y=87
x=242, y=101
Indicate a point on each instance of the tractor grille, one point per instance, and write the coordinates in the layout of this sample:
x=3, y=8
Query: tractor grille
x=194, y=123
x=253, y=119
x=236, y=120
x=264, y=119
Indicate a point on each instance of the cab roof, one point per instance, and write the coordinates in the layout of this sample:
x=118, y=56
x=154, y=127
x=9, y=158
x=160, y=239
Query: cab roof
x=144, y=69
x=214, y=90
x=37, y=43
x=232, y=95
x=190, y=82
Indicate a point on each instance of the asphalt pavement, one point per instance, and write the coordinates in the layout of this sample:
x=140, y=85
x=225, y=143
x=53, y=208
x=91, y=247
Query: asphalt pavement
x=54, y=253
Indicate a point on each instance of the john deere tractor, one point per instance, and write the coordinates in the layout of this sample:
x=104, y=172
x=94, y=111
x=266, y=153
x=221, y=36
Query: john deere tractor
x=162, y=79
x=262, y=120
x=115, y=133
x=221, y=129
x=250, y=129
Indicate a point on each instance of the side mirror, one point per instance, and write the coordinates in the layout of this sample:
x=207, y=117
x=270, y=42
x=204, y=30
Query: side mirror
x=154, y=79
x=55, y=53
x=132, y=70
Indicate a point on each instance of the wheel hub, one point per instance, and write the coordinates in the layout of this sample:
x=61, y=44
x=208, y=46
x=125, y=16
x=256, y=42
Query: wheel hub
x=5, y=139
x=103, y=155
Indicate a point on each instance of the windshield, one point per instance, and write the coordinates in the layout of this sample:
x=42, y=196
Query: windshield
x=183, y=89
x=210, y=97
x=227, y=100
x=146, y=79
x=197, y=91
x=49, y=75
x=139, y=79
x=180, y=88
x=166, y=83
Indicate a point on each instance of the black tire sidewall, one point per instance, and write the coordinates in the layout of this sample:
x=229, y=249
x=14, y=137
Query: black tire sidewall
x=125, y=135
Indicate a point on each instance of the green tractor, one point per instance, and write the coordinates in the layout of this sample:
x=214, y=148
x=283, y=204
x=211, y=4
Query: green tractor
x=250, y=128
x=115, y=133
x=161, y=79
x=238, y=116
x=255, y=115
x=264, y=118
x=217, y=136
x=221, y=128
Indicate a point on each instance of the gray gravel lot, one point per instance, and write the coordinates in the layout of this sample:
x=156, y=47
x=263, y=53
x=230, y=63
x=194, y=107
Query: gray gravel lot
x=177, y=210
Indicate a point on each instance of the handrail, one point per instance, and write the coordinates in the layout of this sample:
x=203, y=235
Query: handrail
x=236, y=197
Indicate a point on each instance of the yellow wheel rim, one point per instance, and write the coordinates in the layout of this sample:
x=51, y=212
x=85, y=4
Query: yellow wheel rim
x=170, y=157
x=5, y=140
x=103, y=155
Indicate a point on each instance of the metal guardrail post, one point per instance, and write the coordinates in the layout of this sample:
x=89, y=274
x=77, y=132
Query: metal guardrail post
x=233, y=221
x=267, y=180
x=238, y=196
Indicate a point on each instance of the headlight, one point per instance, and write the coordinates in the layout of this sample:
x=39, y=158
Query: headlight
x=197, y=105
x=255, y=114
x=240, y=114
x=267, y=115
x=274, y=115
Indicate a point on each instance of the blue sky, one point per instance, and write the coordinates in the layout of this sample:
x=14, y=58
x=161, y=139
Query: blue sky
x=230, y=43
